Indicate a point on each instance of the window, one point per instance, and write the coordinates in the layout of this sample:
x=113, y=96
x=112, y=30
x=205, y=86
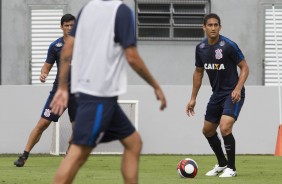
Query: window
x=273, y=46
x=45, y=28
x=170, y=20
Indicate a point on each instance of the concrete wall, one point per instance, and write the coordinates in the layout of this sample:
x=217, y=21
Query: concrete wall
x=172, y=62
x=171, y=131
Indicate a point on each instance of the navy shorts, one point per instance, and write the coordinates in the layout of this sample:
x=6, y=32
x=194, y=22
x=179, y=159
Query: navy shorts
x=99, y=119
x=222, y=105
x=47, y=114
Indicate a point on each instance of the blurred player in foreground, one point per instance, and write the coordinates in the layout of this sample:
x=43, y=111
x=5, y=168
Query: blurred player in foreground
x=220, y=57
x=67, y=21
x=101, y=42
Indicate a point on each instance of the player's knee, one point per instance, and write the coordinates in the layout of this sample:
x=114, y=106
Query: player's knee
x=81, y=161
x=208, y=132
x=140, y=144
x=42, y=125
x=137, y=145
x=225, y=131
x=133, y=143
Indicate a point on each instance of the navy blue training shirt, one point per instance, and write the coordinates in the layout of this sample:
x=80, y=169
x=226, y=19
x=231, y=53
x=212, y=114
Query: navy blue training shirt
x=53, y=55
x=220, y=62
x=124, y=26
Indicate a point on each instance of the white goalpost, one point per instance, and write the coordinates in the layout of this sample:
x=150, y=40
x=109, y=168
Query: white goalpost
x=62, y=131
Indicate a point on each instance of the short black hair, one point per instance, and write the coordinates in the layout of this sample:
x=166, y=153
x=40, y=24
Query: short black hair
x=211, y=15
x=66, y=18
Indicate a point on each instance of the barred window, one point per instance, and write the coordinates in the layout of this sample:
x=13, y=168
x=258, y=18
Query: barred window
x=45, y=28
x=170, y=19
x=273, y=46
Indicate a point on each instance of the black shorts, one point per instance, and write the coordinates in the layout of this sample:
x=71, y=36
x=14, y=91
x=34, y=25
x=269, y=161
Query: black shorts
x=99, y=119
x=47, y=114
x=222, y=105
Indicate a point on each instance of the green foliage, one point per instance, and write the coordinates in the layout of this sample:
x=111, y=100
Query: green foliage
x=154, y=169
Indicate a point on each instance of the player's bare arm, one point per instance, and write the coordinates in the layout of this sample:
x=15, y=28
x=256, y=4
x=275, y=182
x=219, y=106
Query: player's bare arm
x=60, y=100
x=45, y=71
x=244, y=72
x=136, y=62
x=66, y=56
x=197, y=82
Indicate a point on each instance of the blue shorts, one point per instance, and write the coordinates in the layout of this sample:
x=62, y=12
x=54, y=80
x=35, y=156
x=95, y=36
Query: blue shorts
x=47, y=114
x=222, y=105
x=99, y=119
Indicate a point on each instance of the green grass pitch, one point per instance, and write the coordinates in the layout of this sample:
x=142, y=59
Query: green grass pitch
x=154, y=169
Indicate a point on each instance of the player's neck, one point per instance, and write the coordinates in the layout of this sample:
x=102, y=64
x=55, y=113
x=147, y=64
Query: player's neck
x=65, y=38
x=213, y=41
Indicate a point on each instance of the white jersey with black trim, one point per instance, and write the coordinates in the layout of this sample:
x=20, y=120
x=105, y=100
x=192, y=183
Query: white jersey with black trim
x=98, y=63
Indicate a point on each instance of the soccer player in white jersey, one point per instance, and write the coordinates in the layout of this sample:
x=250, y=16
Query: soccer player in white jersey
x=101, y=42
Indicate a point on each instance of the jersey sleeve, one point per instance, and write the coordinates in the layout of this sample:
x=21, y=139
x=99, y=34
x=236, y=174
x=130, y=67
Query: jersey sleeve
x=124, y=27
x=51, y=55
x=198, y=62
x=236, y=53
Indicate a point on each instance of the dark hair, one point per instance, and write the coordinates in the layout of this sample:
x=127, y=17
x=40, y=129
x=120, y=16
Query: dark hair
x=67, y=18
x=211, y=15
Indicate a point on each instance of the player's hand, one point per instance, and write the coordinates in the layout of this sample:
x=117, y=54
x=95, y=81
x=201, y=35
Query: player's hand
x=60, y=101
x=236, y=95
x=190, y=108
x=43, y=77
x=161, y=97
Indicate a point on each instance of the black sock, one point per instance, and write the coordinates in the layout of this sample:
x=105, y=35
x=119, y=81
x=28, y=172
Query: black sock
x=25, y=154
x=215, y=144
x=229, y=143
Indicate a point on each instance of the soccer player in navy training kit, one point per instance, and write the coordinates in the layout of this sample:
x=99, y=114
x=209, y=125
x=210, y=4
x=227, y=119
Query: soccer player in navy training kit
x=53, y=56
x=101, y=42
x=220, y=57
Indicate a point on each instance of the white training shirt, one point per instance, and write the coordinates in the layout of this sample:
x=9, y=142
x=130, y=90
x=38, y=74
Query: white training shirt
x=98, y=63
